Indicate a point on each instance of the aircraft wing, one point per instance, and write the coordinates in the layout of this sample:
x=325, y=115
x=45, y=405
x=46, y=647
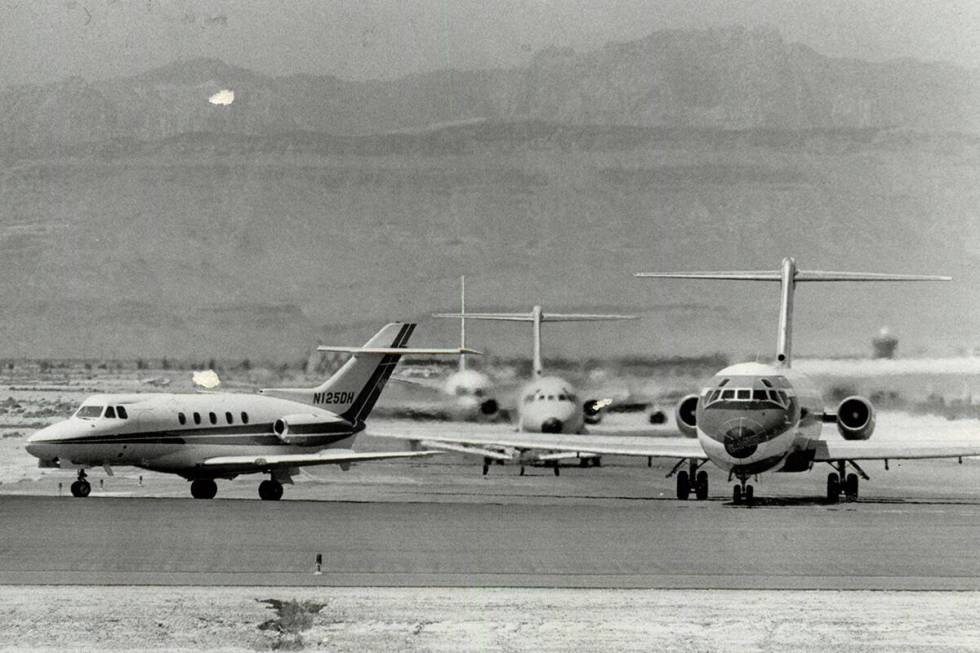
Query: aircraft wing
x=586, y=444
x=826, y=451
x=326, y=457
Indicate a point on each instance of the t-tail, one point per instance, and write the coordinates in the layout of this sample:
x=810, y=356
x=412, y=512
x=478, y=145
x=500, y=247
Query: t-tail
x=353, y=390
x=788, y=275
x=537, y=317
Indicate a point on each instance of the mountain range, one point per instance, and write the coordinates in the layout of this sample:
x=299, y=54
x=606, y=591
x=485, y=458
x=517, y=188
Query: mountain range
x=138, y=219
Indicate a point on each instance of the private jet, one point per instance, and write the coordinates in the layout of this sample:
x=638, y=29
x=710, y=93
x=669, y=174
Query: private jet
x=209, y=436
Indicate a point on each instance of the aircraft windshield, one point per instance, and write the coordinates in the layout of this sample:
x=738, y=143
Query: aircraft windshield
x=89, y=412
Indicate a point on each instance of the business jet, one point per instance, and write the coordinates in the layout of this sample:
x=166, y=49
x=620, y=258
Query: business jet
x=209, y=436
x=754, y=418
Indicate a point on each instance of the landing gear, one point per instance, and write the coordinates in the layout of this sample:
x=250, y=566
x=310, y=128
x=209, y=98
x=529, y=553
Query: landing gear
x=486, y=466
x=593, y=461
x=842, y=482
x=81, y=487
x=743, y=493
x=203, y=488
x=522, y=470
x=690, y=480
x=270, y=490
x=701, y=486
x=557, y=469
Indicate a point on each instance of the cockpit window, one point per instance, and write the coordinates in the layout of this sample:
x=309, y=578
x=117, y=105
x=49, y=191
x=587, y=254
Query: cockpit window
x=562, y=397
x=551, y=397
x=89, y=412
x=728, y=394
x=121, y=411
x=723, y=383
x=767, y=383
x=744, y=394
x=759, y=395
x=110, y=412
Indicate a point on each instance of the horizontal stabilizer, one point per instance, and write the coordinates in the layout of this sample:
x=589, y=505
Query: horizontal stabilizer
x=401, y=351
x=545, y=317
x=758, y=275
x=801, y=275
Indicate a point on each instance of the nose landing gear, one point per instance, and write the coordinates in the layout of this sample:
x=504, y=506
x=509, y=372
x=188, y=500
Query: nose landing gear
x=743, y=493
x=81, y=487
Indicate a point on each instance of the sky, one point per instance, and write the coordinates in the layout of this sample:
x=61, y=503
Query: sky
x=48, y=41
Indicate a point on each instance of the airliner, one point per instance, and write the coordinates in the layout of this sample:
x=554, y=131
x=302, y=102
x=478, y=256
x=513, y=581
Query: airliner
x=753, y=418
x=209, y=436
x=547, y=403
x=470, y=394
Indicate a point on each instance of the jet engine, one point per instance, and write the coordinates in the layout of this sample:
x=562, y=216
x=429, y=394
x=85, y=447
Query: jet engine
x=686, y=415
x=302, y=428
x=593, y=408
x=855, y=418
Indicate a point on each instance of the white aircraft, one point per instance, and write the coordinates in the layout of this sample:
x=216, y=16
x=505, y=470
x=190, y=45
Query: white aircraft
x=546, y=404
x=209, y=436
x=754, y=418
x=470, y=394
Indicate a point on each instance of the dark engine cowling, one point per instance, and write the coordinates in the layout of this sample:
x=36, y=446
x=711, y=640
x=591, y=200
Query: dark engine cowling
x=592, y=410
x=855, y=418
x=489, y=407
x=686, y=415
x=304, y=429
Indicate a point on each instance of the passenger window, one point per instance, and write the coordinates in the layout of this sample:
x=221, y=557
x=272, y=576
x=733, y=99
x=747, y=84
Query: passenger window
x=213, y=418
x=110, y=412
x=244, y=418
x=228, y=417
x=121, y=412
x=182, y=418
x=197, y=418
x=728, y=394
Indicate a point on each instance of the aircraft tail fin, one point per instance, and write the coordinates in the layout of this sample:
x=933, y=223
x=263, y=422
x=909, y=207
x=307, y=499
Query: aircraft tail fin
x=353, y=390
x=788, y=275
x=536, y=316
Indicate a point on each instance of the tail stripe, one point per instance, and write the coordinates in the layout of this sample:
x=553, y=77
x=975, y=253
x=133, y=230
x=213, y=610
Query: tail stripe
x=365, y=400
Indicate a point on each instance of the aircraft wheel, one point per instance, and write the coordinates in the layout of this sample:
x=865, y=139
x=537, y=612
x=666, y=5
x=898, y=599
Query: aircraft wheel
x=833, y=488
x=583, y=462
x=522, y=470
x=203, y=488
x=749, y=495
x=737, y=495
x=851, y=487
x=486, y=466
x=597, y=461
x=557, y=470
x=270, y=490
x=80, y=489
x=701, y=486
x=683, y=485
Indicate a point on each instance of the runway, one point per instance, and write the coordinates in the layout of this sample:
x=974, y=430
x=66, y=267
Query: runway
x=884, y=544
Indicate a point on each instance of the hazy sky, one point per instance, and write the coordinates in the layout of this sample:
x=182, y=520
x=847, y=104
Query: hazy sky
x=358, y=39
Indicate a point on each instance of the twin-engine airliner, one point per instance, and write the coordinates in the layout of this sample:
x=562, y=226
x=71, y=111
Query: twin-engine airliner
x=754, y=418
x=209, y=436
x=545, y=404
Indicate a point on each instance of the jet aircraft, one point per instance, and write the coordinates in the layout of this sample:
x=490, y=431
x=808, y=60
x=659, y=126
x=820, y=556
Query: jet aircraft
x=754, y=418
x=209, y=436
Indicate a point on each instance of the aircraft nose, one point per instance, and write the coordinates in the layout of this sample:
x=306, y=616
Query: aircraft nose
x=742, y=432
x=552, y=425
x=39, y=441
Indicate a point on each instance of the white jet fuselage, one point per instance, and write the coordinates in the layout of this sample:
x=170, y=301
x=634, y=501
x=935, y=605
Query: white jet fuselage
x=177, y=432
x=753, y=418
x=548, y=404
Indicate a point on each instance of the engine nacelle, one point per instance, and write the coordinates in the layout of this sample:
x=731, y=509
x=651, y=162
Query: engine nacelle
x=593, y=408
x=303, y=428
x=855, y=418
x=489, y=407
x=686, y=415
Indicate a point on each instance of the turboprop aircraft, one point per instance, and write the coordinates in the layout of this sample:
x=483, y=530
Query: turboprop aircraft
x=754, y=418
x=204, y=437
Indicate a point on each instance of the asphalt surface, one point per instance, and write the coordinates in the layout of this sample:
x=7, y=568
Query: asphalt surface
x=442, y=524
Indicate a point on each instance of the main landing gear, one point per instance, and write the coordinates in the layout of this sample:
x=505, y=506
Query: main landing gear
x=203, y=488
x=270, y=490
x=684, y=480
x=81, y=487
x=841, y=482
